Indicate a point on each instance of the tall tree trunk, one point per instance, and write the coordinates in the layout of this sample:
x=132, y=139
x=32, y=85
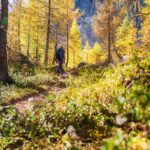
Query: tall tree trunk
x=67, y=57
x=48, y=33
x=19, y=41
x=74, y=59
x=19, y=34
x=55, y=49
x=28, y=48
x=37, y=51
x=87, y=57
x=56, y=44
x=67, y=54
x=37, y=46
x=110, y=59
x=119, y=56
x=9, y=47
x=3, y=42
x=19, y=3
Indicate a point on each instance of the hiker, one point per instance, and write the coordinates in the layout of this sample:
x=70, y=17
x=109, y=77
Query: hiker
x=60, y=56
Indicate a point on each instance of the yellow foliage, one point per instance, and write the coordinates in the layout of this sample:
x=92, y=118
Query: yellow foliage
x=126, y=38
x=146, y=25
x=95, y=54
x=74, y=45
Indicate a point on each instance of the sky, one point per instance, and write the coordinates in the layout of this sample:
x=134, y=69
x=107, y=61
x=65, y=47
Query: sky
x=12, y=1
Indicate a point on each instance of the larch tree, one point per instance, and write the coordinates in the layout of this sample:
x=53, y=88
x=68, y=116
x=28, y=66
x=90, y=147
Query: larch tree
x=15, y=25
x=67, y=14
x=69, y=17
x=102, y=25
x=27, y=30
x=95, y=54
x=18, y=20
x=30, y=30
x=41, y=30
x=126, y=38
x=35, y=26
x=48, y=32
x=85, y=52
x=105, y=24
x=75, y=45
x=3, y=41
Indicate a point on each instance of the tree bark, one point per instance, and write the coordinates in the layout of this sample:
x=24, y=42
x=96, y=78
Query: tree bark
x=48, y=33
x=110, y=58
x=19, y=7
x=67, y=54
x=119, y=56
x=19, y=40
x=37, y=46
x=87, y=57
x=74, y=58
x=56, y=44
x=3, y=42
x=28, y=48
x=37, y=51
x=9, y=47
x=67, y=57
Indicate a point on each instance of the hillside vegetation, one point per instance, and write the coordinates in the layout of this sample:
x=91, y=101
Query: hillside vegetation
x=62, y=90
x=102, y=108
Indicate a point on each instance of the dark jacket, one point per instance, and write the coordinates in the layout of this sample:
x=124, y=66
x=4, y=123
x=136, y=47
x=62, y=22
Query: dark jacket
x=60, y=54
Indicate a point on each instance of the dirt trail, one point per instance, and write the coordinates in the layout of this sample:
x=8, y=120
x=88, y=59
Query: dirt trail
x=25, y=104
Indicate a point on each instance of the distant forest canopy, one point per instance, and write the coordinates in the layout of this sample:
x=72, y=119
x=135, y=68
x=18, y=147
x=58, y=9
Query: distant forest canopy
x=37, y=28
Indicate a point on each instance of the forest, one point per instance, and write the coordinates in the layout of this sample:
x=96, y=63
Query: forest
x=95, y=95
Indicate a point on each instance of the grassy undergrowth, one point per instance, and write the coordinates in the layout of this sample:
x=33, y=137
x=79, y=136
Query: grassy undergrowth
x=26, y=82
x=100, y=108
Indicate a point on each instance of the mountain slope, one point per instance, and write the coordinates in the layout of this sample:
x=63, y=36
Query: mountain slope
x=88, y=9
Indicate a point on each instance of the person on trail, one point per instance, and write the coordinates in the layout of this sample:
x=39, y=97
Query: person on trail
x=60, y=56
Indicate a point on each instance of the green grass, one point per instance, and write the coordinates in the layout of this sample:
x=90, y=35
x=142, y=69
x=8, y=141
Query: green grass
x=25, y=83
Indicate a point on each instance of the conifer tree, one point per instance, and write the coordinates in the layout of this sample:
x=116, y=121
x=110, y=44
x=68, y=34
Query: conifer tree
x=18, y=15
x=86, y=52
x=105, y=24
x=95, y=54
x=48, y=32
x=75, y=45
x=126, y=38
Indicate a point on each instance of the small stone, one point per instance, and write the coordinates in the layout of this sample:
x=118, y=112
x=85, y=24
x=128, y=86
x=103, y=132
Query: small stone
x=120, y=120
x=30, y=99
x=71, y=129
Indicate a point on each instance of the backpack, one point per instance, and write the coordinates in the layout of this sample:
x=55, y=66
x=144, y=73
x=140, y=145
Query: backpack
x=60, y=54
